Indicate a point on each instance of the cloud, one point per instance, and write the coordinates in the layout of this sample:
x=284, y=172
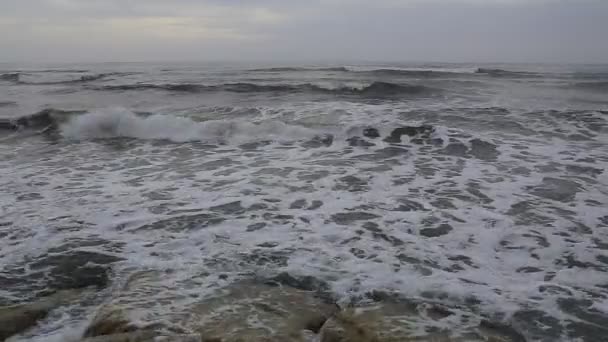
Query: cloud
x=448, y=30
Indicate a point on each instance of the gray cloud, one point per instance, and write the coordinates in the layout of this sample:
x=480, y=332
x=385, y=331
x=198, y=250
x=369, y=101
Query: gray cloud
x=383, y=30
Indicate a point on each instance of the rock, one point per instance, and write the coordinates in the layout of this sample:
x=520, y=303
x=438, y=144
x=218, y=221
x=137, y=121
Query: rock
x=371, y=133
x=411, y=131
x=75, y=269
x=18, y=318
x=499, y=329
x=147, y=336
x=244, y=311
x=359, y=142
x=395, y=321
x=388, y=322
x=319, y=141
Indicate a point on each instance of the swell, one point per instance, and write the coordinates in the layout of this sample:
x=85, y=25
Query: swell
x=294, y=69
x=601, y=86
x=11, y=77
x=410, y=73
x=373, y=89
x=506, y=73
x=16, y=78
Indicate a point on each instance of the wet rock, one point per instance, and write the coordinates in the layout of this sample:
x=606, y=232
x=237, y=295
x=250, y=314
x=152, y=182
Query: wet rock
x=410, y=131
x=484, y=150
x=371, y=133
x=350, y=217
x=443, y=229
x=244, y=311
x=582, y=309
x=538, y=325
x=75, y=269
x=306, y=283
x=556, y=189
x=320, y=141
x=267, y=258
x=18, y=318
x=495, y=328
x=359, y=142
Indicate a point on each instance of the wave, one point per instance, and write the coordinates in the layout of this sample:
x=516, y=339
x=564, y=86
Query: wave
x=376, y=89
x=17, y=79
x=410, y=73
x=81, y=79
x=121, y=123
x=11, y=77
x=292, y=69
x=596, y=86
x=7, y=103
x=505, y=73
x=47, y=120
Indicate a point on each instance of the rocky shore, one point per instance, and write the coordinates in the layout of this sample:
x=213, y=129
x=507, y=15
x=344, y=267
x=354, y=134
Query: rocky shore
x=281, y=308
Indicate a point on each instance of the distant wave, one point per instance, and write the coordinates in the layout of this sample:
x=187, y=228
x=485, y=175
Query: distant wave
x=374, y=89
x=596, y=86
x=11, y=77
x=374, y=72
x=410, y=73
x=505, y=73
x=293, y=69
x=16, y=78
x=7, y=103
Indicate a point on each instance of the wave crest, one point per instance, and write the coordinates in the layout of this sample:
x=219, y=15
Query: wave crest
x=121, y=123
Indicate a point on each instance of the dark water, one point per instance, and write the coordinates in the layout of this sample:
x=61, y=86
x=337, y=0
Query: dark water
x=480, y=186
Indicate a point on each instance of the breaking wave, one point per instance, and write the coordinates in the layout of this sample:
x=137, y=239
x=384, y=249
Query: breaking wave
x=376, y=89
x=121, y=123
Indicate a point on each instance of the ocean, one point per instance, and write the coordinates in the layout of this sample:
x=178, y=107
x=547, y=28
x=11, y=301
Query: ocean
x=481, y=187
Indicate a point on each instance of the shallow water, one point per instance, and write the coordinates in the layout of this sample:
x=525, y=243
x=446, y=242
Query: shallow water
x=495, y=203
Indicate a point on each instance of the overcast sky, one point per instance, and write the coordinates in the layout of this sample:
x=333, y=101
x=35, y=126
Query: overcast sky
x=304, y=30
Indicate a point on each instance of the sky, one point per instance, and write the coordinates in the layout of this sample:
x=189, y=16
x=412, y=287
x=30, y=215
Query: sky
x=535, y=31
